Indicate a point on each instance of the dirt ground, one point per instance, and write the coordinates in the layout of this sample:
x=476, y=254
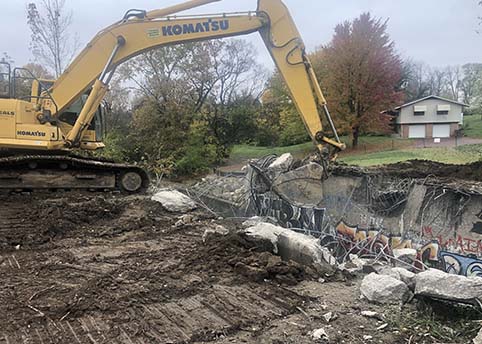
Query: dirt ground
x=106, y=268
x=418, y=169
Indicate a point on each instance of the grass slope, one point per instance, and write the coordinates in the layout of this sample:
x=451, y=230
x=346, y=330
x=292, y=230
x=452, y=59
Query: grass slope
x=460, y=155
x=243, y=152
x=473, y=126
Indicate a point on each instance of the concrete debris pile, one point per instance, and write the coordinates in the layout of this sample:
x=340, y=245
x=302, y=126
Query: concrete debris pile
x=398, y=285
x=271, y=179
x=233, y=189
x=174, y=201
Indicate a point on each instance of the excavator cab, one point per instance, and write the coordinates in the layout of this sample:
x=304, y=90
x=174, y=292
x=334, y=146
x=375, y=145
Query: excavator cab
x=97, y=128
x=5, y=76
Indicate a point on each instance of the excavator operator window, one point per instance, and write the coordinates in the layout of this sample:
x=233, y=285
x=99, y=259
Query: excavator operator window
x=5, y=80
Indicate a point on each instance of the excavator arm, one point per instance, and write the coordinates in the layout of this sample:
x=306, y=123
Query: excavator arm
x=140, y=31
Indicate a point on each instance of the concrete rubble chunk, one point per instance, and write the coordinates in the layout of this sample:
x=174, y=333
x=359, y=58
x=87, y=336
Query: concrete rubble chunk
x=478, y=339
x=174, y=201
x=354, y=265
x=319, y=334
x=266, y=231
x=401, y=274
x=214, y=232
x=330, y=316
x=384, y=289
x=439, y=284
x=294, y=246
x=406, y=254
x=255, y=220
x=282, y=163
x=370, y=314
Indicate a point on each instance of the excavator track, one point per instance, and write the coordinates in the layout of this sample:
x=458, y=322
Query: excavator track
x=46, y=172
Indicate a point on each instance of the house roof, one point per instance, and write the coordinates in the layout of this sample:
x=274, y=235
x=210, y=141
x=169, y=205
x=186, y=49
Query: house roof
x=429, y=97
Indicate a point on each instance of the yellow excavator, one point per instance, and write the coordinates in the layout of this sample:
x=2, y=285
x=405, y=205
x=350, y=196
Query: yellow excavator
x=39, y=133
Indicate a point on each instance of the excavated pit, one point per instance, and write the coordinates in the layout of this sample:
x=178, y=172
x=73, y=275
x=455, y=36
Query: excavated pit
x=433, y=208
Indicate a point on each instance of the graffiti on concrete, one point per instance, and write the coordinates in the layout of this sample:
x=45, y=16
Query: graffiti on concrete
x=289, y=215
x=460, y=265
x=459, y=244
x=375, y=243
x=478, y=225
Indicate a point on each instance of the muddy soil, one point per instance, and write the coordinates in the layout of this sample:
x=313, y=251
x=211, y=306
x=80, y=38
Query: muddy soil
x=418, y=169
x=90, y=268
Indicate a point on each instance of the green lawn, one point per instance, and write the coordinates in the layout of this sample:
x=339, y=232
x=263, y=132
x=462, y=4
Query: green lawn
x=243, y=152
x=378, y=150
x=459, y=155
x=473, y=126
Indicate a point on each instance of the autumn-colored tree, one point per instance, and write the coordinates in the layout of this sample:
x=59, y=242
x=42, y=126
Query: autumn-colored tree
x=360, y=71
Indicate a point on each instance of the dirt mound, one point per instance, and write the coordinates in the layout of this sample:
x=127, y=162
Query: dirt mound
x=417, y=169
x=250, y=259
x=424, y=168
x=55, y=217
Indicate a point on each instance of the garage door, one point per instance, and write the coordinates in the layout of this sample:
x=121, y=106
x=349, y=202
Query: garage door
x=441, y=130
x=416, y=131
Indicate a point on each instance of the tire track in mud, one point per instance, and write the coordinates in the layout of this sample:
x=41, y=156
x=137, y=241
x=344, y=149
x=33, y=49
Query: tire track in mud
x=14, y=217
x=200, y=317
x=134, y=279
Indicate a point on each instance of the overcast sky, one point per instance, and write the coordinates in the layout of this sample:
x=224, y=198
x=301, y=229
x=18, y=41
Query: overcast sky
x=438, y=32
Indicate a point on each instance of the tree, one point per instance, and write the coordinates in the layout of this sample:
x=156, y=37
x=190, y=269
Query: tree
x=191, y=102
x=414, y=81
x=291, y=127
x=437, y=81
x=51, y=42
x=471, y=83
x=454, y=82
x=361, y=72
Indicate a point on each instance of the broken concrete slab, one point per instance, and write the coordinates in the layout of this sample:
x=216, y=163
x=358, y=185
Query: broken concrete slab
x=266, y=231
x=302, y=186
x=401, y=274
x=282, y=163
x=384, y=289
x=304, y=249
x=294, y=246
x=174, y=201
x=414, y=204
x=441, y=285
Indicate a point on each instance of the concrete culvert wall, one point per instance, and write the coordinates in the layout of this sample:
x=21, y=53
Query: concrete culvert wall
x=417, y=205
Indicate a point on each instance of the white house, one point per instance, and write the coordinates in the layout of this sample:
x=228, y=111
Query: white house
x=429, y=117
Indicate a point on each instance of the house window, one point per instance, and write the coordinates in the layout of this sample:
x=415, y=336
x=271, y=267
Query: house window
x=443, y=109
x=419, y=110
